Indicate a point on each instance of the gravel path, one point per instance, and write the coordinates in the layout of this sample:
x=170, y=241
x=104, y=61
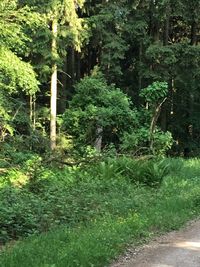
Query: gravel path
x=176, y=249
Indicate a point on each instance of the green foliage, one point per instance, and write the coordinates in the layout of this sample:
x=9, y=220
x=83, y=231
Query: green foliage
x=35, y=199
x=150, y=172
x=163, y=142
x=155, y=92
x=134, y=43
x=103, y=205
x=16, y=74
x=133, y=215
x=11, y=33
x=49, y=198
x=164, y=60
x=5, y=117
x=17, y=213
x=97, y=104
x=13, y=118
x=137, y=143
x=139, y=140
x=70, y=25
x=108, y=23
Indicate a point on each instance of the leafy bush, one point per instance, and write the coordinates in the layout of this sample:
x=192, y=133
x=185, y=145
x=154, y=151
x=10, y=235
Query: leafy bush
x=136, y=142
x=155, y=92
x=97, y=104
x=146, y=172
x=131, y=214
x=37, y=198
x=18, y=213
x=102, y=111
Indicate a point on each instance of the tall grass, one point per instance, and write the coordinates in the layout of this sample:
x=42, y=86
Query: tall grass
x=130, y=213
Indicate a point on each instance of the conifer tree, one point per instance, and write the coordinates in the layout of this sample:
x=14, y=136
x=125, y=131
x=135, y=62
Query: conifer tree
x=62, y=15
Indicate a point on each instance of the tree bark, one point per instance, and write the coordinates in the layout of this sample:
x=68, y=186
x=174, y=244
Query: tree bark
x=98, y=141
x=193, y=33
x=62, y=91
x=153, y=123
x=164, y=110
x=78, y=67
x=33, y=111
x=54, y=87
x=154, y=23
x=166, y=27
x=70, y=72
x=193, y=42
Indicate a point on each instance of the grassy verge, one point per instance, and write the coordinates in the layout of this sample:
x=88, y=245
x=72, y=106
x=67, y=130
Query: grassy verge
x=129, y=213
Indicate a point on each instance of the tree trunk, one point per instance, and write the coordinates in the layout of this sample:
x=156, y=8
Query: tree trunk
x=98, y=141
x=153, y=124
x=154, y=23
x=71, y=72
x=62, y=103
x=89, y=61
x=193, y=33
x=164, y=110
x=33, y=111
x=78, y=67
x=54, y=87
x=166, y=27
x=193, y=42
x=137, y=101
x=71, y=65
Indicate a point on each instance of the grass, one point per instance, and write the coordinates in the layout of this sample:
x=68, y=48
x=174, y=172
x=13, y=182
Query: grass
x=125, y=213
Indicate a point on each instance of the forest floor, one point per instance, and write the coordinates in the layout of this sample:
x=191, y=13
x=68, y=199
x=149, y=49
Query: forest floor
x=90, y=216
x=175, y=249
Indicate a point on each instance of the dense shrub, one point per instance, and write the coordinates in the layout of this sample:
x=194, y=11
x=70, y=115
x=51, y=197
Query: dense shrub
x=19, y=212
x=129, y=213
x=97, y=104
x=145, y=172
x=35, y=199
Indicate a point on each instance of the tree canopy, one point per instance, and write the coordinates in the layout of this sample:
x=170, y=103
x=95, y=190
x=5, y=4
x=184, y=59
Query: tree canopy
x=133, y=44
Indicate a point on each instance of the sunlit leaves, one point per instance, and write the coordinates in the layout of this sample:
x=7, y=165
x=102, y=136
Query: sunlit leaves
x=16, y=74
x=155, y=92
x=98, y=104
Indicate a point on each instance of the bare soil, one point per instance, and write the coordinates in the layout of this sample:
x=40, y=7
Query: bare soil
x=175, y=249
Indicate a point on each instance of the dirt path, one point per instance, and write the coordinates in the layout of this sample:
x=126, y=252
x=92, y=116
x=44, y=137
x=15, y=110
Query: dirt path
x=176, y=249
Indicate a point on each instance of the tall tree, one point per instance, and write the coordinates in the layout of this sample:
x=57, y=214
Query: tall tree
x=65, y=22
x=16, y=74
x=53, y=104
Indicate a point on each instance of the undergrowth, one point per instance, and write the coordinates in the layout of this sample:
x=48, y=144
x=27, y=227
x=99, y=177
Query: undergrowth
x=89, y=215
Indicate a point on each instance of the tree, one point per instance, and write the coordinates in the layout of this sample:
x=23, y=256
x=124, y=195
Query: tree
x=66, y=31
x=155, y=96
x=62, y=15
x=134, y=43
x=99, y=113
x=15, y=74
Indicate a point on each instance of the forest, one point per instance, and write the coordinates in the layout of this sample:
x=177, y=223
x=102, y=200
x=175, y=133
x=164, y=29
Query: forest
x=99, y=127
